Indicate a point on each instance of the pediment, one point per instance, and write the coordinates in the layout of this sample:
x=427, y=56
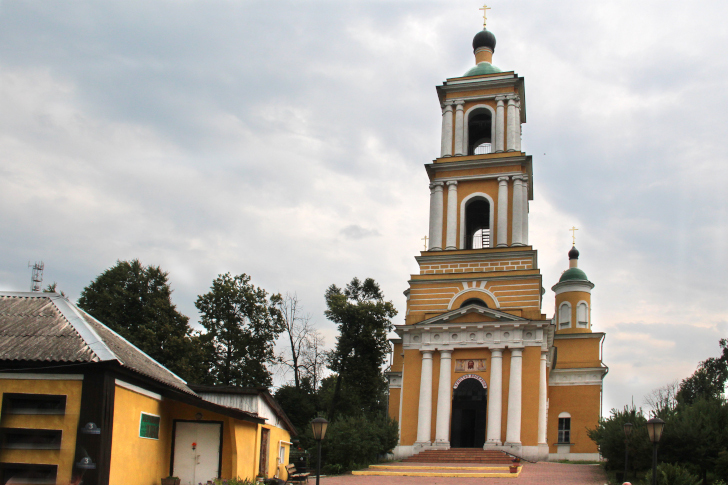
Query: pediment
x=471, y=314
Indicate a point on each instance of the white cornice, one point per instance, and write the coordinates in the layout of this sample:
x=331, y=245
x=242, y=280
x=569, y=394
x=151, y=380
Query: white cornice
x=475, y=335
x=567, y=336
x=460, y=256
x=577, y=377
x=490, y=276
x=572, y=285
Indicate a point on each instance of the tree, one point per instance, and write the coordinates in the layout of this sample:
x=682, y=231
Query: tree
x=609, y=437
x=52, y=288
x=363, y=320
x=664, y=397
x=708, y=382
x=242, y=324
x=136, y=302
x=313, y=360
x=298, y=329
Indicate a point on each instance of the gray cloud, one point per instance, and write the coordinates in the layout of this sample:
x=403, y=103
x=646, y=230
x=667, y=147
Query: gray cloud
x=214, y=136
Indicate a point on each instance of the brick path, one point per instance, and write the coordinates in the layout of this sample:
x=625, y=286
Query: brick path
x=533, y=474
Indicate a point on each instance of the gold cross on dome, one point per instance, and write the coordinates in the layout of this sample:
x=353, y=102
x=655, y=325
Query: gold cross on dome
x=425, y=239
x=485, y=9
x=573, y=235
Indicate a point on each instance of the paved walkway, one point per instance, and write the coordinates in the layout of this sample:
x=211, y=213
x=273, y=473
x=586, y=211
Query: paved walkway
x=533, y=474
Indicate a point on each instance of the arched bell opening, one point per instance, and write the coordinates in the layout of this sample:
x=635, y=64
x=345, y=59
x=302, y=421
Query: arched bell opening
x=477, y=224
x=469, y=405
x=474, y=301
x=480, y=123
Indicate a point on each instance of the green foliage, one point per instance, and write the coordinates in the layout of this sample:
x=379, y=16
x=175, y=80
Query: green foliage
x=136, y=302
x=721, y=466
x=668, y=474
x=234, y=481
x=356, y=442
x=299, y=404
x=363, y=320
x=609, y=437
x=242, y=324
x=708, y=382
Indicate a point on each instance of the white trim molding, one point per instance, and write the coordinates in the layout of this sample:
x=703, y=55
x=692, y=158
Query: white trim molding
x=466, y=126
x=477, y=289
x=577, y=377
x=41, y=377
x=470, y=376
x=138, y=390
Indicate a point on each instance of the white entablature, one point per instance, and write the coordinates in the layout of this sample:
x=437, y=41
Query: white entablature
x=507, y=330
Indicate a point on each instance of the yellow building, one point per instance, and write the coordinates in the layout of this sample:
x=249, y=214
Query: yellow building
x=477, y=364
x=81, y=402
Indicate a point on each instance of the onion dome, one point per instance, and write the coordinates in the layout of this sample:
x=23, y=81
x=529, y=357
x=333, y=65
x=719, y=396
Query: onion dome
x=484, y=38
x=573, y=253
x=573, y=274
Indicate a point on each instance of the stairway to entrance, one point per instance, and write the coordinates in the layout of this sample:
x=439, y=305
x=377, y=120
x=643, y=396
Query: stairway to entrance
x=461, y=455
x=455, y=462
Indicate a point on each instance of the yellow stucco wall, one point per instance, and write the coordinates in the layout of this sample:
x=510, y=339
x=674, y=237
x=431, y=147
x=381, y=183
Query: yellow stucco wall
x=276, y=467
x=411, y=396
x=574, y=298
x=67, y=423
x=529, y=395
x=583, y=404
x=578, y=352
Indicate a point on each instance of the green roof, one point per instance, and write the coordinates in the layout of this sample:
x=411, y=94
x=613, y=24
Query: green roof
x=482, y=68
x=573, y=274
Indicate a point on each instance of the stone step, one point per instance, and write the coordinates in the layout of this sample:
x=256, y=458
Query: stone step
x=434, y=471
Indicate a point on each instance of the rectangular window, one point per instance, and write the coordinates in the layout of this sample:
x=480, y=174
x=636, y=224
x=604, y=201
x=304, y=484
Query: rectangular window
x=564, y=430
x=149, y=426
x=33, y=404
x=26, y=473
x=31, y=439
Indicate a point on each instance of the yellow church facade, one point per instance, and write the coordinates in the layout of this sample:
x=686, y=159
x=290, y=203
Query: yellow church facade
x=476, y=364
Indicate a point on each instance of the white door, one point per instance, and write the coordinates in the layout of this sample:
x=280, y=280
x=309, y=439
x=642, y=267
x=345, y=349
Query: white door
x=197, y=452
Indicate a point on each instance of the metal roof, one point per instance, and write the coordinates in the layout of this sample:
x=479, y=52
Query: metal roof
x=47, y=327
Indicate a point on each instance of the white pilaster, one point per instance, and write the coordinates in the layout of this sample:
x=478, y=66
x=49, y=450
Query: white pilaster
x=524, y=236
x=424, y=416
x=511, y=132
x=452, y=214
x=517, y=226
x=517, y=144
x=446, y=145
x=442, y=422
x=500, y=119
x=436, y=216
x=495, y=399
x=542, y=405
x=459, y=128
x=513, y=430
x=502, y=228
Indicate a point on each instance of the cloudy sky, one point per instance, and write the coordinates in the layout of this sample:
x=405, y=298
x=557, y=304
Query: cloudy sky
x=287, y=140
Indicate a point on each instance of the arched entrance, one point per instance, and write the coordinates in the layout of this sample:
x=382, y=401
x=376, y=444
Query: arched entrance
x=469, y=405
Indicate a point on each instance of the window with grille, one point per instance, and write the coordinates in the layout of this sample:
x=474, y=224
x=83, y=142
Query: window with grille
x=564, y=430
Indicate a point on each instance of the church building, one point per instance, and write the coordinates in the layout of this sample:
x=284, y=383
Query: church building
x=477, y=364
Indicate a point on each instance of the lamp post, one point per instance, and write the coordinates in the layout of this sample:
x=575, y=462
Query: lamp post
x=627, y=431
x=319, y=426
x=654, y=430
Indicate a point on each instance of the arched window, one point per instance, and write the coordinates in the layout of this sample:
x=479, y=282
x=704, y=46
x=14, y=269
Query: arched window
x=564, y=315
x=474, y=301
x=480, y=123
x=477, y=224
x=564, y=428
x=582, y=315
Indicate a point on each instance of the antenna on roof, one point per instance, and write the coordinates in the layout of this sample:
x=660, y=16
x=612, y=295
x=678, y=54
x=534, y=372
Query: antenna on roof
x=36, y=278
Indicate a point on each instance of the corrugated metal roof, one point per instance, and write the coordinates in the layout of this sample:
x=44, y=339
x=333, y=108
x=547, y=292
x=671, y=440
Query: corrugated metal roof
x=47, y=327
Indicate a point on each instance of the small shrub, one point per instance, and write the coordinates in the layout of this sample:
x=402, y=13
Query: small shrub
x=668, y=474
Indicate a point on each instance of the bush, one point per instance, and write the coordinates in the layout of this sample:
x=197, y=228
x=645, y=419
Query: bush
x=668, y=474
x=356, y=442
x=609, y=437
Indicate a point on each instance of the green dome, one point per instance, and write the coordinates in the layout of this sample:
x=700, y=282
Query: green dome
x=482, y=68
x=573, y=274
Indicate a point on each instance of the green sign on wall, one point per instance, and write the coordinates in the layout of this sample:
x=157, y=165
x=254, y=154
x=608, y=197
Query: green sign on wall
x=149, y=426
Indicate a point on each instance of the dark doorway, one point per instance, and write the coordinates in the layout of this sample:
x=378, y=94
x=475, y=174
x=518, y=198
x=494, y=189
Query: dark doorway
x=469, y=404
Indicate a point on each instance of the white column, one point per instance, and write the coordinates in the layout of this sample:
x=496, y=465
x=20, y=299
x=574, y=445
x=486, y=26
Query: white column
x=495, y=398
x=446, y=145
x=517, y=123
x=513, y=430
x=511, y=132
x=524, y=235
x=442, y=423
x=452, y=214
x=502, y=228
x=500, y=120
x=542, y=405
x=424, y=416
x=517, y=226
x=436, y=216
x=459, y=129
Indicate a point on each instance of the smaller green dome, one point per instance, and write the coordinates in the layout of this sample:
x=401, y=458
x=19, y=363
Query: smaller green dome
x=482, y=68
x=573, y=274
